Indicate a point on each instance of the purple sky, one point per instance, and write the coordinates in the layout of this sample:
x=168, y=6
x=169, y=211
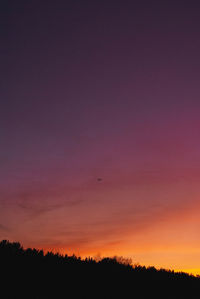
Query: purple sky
x=95, y=89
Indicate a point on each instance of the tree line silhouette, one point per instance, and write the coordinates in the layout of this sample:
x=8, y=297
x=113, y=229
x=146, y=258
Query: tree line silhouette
x=30, y=273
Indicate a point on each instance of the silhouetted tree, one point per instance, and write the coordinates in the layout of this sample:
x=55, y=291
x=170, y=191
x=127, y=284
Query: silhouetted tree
x=32, y=274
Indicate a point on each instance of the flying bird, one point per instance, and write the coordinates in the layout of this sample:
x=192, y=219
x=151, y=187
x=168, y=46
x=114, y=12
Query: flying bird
x=99, y=179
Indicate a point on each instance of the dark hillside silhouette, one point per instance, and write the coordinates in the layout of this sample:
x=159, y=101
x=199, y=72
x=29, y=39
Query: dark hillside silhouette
x=32, y=274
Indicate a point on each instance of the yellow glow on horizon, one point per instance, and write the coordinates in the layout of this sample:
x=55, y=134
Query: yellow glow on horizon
x=189, y=271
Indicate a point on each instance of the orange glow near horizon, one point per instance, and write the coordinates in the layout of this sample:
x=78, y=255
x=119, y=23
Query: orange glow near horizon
x=173, y=244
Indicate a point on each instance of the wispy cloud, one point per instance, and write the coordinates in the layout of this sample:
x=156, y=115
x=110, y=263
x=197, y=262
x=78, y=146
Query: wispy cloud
x=4, y=228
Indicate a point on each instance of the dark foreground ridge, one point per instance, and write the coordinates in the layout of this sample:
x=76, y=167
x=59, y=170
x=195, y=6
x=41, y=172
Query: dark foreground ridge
x=32, y=274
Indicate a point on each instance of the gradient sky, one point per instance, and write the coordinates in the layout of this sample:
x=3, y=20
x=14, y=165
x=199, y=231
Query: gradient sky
x=102, y=89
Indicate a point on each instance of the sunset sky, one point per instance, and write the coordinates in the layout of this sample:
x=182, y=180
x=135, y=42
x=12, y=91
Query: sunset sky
x=110, y=90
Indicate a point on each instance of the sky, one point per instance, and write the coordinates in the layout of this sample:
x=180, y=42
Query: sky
x=110, y=90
